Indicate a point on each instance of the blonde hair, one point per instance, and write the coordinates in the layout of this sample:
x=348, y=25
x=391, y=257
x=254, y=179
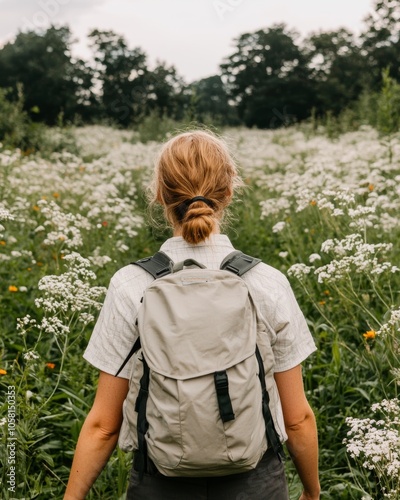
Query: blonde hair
x=194, y=163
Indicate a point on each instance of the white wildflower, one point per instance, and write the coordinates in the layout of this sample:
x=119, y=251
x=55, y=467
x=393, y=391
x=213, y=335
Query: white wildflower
x=25, y=323
x=65, y=228
x=299, y=271
x=99, y=260
x=31, y=356
x=376, y=442
x=274, y=206
x=278, y=227
x=121, y=246
x=86, y=318
x=392, y=324
x=5, y=214
x=70, y=291
x=54, y=326
x=314, y=257
x=353, y=256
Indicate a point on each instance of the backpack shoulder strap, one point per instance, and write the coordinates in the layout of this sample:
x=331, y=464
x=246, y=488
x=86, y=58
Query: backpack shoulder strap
x=270, y=430
x=239, y=263
x=136, y=346
x=158, y=265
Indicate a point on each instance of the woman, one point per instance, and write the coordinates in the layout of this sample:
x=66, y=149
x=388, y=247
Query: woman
x=191, y=165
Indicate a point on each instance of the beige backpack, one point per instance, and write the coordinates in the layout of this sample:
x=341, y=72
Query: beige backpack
x=197, y=403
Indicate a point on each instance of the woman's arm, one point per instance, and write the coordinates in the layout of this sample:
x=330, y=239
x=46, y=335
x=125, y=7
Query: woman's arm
x=98, y=436
x=301, y=429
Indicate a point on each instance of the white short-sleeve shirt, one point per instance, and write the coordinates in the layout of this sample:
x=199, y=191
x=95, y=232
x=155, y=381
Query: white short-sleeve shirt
x=115, y=331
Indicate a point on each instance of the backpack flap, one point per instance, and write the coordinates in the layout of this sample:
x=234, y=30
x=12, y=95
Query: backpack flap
x=197, y=322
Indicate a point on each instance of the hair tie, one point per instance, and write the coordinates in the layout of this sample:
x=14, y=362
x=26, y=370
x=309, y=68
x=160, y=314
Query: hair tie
x=183, y=207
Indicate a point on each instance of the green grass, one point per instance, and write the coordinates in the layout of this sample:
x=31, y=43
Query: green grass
x=344, y=378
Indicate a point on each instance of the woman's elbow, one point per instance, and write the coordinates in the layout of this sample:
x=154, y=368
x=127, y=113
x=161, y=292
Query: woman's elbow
x=101, y=428
x=300, y=421
x=106, y=433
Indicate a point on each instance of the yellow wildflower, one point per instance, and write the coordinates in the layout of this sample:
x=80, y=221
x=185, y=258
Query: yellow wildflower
x=371, y=334
x=51, y=366
x=3, y=372
x=13, y=288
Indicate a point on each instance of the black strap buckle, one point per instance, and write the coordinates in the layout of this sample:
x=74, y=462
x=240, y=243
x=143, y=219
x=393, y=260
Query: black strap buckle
x=224, y=400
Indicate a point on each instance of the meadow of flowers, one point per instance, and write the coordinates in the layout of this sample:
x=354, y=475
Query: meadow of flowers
x=323, y=211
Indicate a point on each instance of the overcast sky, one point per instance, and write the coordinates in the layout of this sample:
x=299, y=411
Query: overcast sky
x=193, y=35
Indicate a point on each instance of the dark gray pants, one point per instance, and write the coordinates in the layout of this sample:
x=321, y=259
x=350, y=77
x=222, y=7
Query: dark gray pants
x=266, y=482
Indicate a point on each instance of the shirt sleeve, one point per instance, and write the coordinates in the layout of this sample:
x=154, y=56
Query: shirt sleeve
x=293, y=342
x=114, y=333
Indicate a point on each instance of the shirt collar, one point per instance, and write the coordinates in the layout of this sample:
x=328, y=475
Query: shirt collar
x=177, y=242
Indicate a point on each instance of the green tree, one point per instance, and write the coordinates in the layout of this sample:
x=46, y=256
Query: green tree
x=43, y=64
x=210, y=102
x=88, y=104
x=131, y=91
x=120, y=74
x=381, y=40
x=164, y=92
x=337, y=67
x=268, y=78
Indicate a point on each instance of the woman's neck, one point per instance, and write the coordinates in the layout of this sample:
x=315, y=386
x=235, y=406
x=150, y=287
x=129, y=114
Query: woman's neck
x=177, y=231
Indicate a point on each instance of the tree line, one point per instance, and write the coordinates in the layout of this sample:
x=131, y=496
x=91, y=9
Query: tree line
x=272, y=78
